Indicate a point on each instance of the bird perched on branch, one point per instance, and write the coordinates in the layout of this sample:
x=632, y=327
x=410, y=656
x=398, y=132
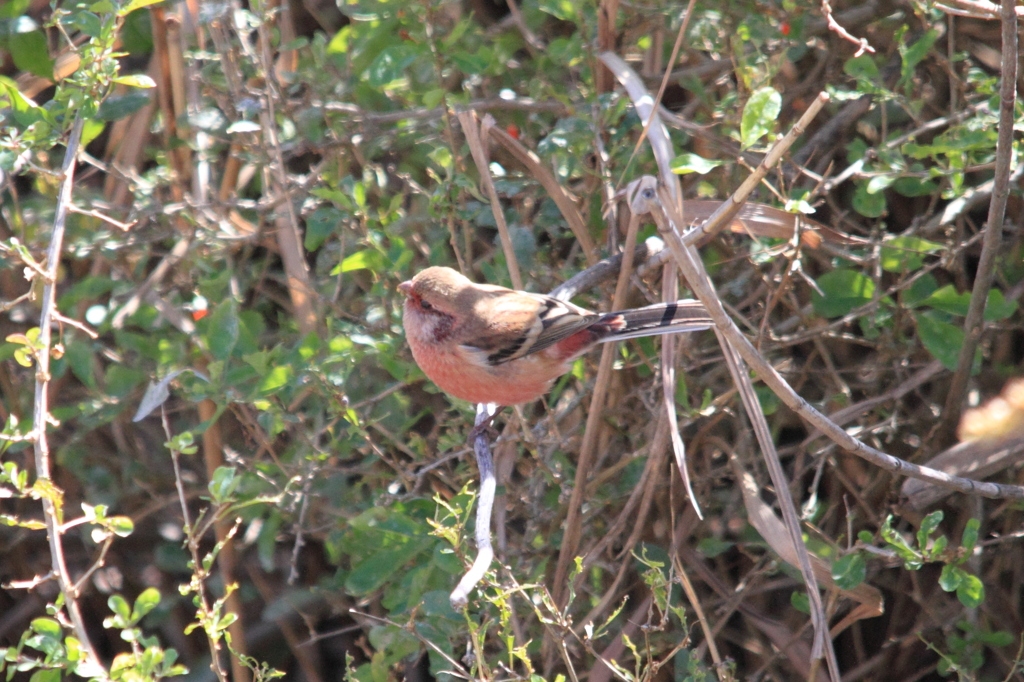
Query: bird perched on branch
x=489, y=344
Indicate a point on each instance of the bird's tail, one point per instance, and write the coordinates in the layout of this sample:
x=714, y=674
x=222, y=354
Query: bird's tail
x=661, y=318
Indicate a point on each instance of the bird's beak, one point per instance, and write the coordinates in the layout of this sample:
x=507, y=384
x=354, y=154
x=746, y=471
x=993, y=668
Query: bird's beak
x=405, y=287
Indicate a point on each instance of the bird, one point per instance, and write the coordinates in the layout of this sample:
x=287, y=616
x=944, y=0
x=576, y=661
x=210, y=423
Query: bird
x=490, y=344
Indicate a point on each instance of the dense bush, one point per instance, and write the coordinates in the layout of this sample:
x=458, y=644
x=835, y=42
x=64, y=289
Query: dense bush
x=252, y=185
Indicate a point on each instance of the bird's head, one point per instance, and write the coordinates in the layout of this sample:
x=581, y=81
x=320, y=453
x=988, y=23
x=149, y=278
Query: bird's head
x=431, y=298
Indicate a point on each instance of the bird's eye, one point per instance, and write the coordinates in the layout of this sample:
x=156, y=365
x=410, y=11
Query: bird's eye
x=425, y=305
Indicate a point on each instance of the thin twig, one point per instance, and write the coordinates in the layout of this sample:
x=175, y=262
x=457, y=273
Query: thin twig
x=484, y=503
x=471, y=130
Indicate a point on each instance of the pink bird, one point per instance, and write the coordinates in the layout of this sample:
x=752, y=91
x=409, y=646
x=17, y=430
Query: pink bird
x=488, y=344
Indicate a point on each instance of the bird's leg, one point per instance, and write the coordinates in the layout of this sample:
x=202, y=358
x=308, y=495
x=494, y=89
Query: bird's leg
x=484, y=422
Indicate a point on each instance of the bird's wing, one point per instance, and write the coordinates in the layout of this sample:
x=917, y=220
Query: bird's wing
x=527, y=323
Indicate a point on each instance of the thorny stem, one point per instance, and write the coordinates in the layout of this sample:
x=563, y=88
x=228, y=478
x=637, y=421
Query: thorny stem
x=53, y=510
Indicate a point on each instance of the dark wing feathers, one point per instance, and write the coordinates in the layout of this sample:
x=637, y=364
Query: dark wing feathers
x=558, y=320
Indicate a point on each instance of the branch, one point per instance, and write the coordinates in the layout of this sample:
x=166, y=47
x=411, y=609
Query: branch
x=41, y=411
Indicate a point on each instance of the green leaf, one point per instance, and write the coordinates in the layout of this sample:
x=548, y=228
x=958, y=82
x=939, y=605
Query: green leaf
x=905, y=254
x=434, y=97
x=880, y=183
x=915, y=54
x=862, y=67
x=47, y=627
x=223, y=330
x=800, y=601
x=971, y=591
x=970, y=536
x=941, y=339
x=367, y=259
x=691, y=163
x=389, y=66
x=25, y=111
x=277, y=377
x=147, y=601
x=759, y=115
x=139, y=80
x=948, y=300
x=121, y=380
x=867, y=204
x=919, y=290
x=951, y=577
x=86, y=22
x=914, y=187
x=121, y=526
x=928, y=526
x=997, y=307
x=224, y=482
x=849, y=571
x=844, y=290
x=320, y=225
x=26, y=44
x=119, y=607
x=117, y=107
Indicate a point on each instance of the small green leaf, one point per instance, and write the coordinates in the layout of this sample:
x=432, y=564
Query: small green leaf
x=844, y=290
x=861, y=67
x=970, y=536
x=121, y=526
x=971, y=591
x=941, y=339
x=914, y=54
x=433, y=98
x=691, y=163
x=928, y=526
x=26, y=43
x=139, y=80
x=760, y=115
x=849, y=571
x=997, y=307
x=867, y=204
x=367, y=259
x=914, y=187
x=389, y=66
x=117, y=604
x=223, y=330
x=880, y=183
x=47, y=627
x=800, y=601
x=905, y=254
x=116, y=107
x=224, y=482
x=147, y=601
x=324, y=222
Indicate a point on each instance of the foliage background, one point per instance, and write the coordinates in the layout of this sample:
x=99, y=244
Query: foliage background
x=250, y=216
